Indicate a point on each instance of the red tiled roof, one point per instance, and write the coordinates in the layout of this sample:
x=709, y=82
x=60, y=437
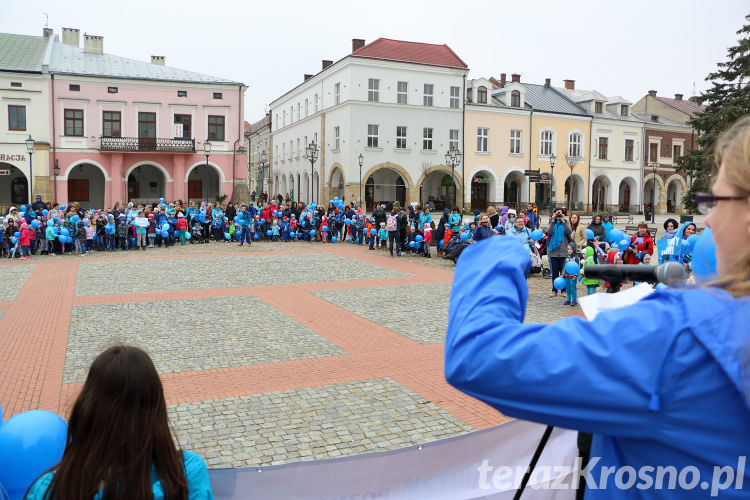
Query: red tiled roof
x=247, y=127
x=413, y=52
x=686, y=106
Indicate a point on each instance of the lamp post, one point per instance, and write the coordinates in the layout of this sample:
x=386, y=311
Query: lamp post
x=552, y=159
x=653, y=198
x=207, y=152
x=56, y=170
x=453, y=159
x=312, y=156
x=262, y=173
x=361, y=161
x=30, y=148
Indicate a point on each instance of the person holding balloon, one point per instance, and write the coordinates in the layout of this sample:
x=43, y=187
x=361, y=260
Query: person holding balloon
x=641, y=244
x=571, y=272
x=24, y=240
x=557, y=249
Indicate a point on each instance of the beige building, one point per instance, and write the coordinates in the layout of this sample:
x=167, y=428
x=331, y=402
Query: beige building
x=679, y=109
x=258, y=141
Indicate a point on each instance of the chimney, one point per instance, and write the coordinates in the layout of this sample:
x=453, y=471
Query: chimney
x=93, y=44
x=652, y=93
x=547, y=82
x=158, y=60
x=357, y=43
x=515, y=77
x=678, y=97
x=308, y=76
x=570, y=84
x=502, y=80
x=47, y=32
x=71, y=36
x=326, y=63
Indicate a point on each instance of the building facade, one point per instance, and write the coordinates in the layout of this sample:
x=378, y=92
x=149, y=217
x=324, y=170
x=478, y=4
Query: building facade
x=24, y=113
x=258, y=140
x=396, y=105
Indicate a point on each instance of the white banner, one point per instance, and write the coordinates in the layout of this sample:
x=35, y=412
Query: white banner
x=470, y=466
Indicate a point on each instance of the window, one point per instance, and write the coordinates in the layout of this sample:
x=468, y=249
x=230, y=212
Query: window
x=453, y=139
x=283, y=152
x=401, y=137
x=574, y=145
x=428, y=92
x=183, y=126
x=147, y=125
x=603, y=145
x=16, y=85
x=482, y=95
x=299, y=150
x=402, y=89
x=291, y=150
x=336, y=137
x=291, y=115
x=299, y=114
x=598, y=107
x=218, y=95
x=515, y=99
x=653, y=152
x=16, y=117
x=112, y=90
x=336, y=94
x=307, y=107
x=74, y=122
x=283, y=120
x=316, y=103
x=182, y=93
x=276, y=155
x=676, y=152
x=515, y=142
x=455, y=97
x=545, y=142
x=74, y=87
x=372, y=136
x=78, y=189
x=427, y=139
x=373, y=90
x=215, y=128
x=629, y=149
x=482, y=135
x=623, y=110
x=111, y=124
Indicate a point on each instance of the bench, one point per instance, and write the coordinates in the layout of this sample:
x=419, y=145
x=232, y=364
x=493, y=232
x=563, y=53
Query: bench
x=615, y=217
x=634, y=230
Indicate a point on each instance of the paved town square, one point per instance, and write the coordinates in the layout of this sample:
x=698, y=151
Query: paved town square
x=269, y=354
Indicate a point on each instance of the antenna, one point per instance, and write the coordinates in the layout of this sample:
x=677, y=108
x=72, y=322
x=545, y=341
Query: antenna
x=693, y=88
x=46, y=20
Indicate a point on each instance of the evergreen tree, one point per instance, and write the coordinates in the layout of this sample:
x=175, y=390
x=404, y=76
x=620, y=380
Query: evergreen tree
x=727, y=100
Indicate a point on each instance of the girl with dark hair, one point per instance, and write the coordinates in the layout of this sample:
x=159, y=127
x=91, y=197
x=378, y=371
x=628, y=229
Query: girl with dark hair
x=119, y=441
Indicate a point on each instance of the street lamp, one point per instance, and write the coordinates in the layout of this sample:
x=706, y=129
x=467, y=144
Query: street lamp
x=361, y=161
x=262, y=173
x=653, y=198
x=207, y=152
x=312, y=156
x=552, y=160
x=56, y=170
x=30, y=148
x=453, y=159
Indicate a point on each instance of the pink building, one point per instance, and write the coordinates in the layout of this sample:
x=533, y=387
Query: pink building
x=127, y=130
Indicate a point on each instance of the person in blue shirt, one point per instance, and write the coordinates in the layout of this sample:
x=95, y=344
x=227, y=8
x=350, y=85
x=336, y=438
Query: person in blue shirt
x=118, y=426
x=660, y=383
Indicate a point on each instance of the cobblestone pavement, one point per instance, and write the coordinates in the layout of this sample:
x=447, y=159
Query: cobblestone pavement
x=188, y=335
x=95, y=278
x=312, y=423
x=13, y=276
x=418, y=312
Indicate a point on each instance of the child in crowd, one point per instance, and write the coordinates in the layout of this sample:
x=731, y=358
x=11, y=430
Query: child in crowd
x=571, y=280
x=182, y=227
x=285, y=229
x=3, y=240
x=427, y=233
x=90, y=233
x=382, y=237
x=371, y=233
x=590, y=284
x=80, y=239
x=324, y=224
x=196, y=232
x=412, y=240
x=122, y=233
x=50, y=235
x=275, y=230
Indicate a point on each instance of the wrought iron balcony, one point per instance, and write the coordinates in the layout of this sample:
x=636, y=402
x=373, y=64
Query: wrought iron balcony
x=147, y=145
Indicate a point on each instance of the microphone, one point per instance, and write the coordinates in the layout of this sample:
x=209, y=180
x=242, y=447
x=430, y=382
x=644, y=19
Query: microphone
x=669, y=273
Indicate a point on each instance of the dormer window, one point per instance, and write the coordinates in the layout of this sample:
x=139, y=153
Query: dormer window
x=623, y=110
x=515, y=99
x=598, y=106
x=482, y=95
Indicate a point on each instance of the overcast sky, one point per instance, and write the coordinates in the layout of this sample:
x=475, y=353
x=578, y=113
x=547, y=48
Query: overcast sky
x=617, y=48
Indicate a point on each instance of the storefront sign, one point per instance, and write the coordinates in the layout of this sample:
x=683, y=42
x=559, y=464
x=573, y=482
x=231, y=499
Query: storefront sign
x=4, y=172
x=9, y=157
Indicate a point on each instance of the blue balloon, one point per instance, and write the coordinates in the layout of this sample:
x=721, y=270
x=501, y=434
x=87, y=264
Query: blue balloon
x=334, y=239
x=85, y=223
x=75, y=219
x=623, y=244
x=65, y=231
x=256, y=237
x=161, y=200
x=62, y=207
x=413, y=244
x=572, y=268
x=30, y=443
x=616, y=235
x=13, y=240
x=17, y=234
x=589, y=234
x=692, y=240
x=35, y=223
x=464, y=236
x=537, y=235
x=269, y=232
x=165, y=234
x=56, y=219
x=45, y=212
x=263, y=221
x=347, y=221
x=336, y=199
x=227, y=236
x=187, y=235
x=324, y=229
x=559, y=283
x=165, y=226
x=22, y=208
x=373, y=232
x=50, y=223
x=420, y=238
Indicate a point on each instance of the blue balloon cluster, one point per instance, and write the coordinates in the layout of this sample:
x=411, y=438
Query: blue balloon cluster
x=464, y=236
x=559, y=283
x=589, y=234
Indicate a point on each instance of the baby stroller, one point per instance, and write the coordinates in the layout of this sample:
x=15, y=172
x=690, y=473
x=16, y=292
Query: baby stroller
x=196, y=234
x=537, y=265
x=454, y=248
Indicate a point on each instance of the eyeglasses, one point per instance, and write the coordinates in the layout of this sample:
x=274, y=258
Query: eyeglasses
x=706, y=201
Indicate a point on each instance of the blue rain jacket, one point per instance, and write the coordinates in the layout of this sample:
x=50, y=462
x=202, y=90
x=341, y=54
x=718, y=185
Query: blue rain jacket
x=662, y=382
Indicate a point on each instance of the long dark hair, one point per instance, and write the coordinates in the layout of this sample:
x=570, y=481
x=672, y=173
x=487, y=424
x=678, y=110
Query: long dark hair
x=117, y=430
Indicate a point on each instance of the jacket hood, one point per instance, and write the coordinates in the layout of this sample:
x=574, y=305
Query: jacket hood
x=681, y=231
x=504, y=210
x=588, y=252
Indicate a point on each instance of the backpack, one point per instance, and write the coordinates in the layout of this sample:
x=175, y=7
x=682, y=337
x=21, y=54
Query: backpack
x=361, y=223
x=391, y=223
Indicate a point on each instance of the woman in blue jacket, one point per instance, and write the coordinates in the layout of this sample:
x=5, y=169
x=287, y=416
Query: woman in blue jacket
x=663, y=382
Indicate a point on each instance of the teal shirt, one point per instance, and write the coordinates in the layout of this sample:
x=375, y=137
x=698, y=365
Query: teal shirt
x=196, y=474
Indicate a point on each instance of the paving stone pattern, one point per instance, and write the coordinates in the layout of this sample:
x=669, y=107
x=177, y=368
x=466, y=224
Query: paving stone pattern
x=102, y=278
x=311, y=423
x=196, y=334
x=13, y=277
x=418, y=312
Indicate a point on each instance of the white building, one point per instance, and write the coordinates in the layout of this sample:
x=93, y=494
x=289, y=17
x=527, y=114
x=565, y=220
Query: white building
x=616, y=143
x=397, y=104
